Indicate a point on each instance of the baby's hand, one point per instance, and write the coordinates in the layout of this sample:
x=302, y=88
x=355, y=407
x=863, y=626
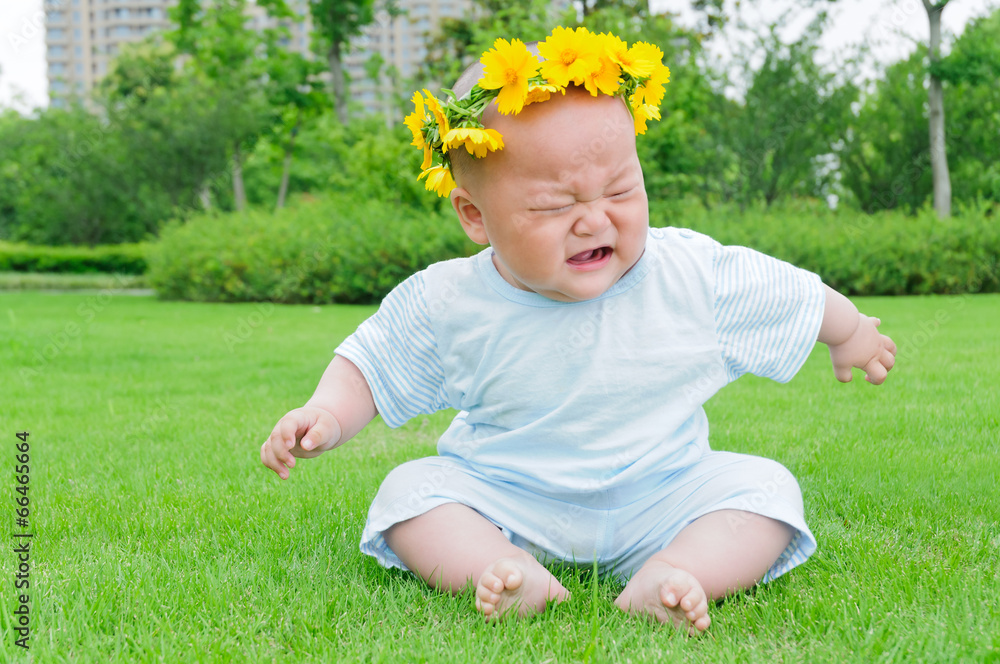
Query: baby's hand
x=304, y=432
x=865, y=349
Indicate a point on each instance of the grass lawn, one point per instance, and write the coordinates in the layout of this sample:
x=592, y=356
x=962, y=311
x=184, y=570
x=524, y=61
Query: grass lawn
x=159, y=537
x=56, y=281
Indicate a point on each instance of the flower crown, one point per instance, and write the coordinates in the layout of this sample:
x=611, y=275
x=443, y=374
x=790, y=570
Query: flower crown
x=512, y=75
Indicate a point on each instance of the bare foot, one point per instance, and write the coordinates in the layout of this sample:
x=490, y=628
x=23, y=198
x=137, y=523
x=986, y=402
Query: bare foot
x=668, y=595
x=518, y=584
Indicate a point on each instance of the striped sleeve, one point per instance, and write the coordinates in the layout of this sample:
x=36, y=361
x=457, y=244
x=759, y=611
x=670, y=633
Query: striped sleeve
x=396, y=352
x=767, y=313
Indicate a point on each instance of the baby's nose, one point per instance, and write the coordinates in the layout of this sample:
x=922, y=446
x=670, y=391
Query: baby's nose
x=592, y=220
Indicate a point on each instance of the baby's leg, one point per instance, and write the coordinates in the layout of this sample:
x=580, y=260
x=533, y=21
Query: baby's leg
x=718, y=554
x=452, y=545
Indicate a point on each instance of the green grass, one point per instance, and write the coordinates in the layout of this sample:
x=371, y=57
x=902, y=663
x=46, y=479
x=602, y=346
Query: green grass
x=159, y=537
x=70, y=281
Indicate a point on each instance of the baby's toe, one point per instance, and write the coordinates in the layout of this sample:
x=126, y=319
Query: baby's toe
x=675, y=591
x=508, y=572
x=489, y=583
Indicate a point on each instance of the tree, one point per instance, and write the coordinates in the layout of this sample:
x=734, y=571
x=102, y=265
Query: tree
x=639, y=8
x=935, y=100
x=885, y=157
x=334, y=23
x=794, y=112
x=232, y=57
x=972, y=70
x=66, y=180
x=296, y=96
x=170, y=122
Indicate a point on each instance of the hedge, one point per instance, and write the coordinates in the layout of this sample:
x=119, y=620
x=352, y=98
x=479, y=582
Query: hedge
x=338, y=250
x=889, y=253
x=111, y=258
x=325, y=250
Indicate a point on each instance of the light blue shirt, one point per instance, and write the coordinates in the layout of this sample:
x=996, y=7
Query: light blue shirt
x=584, y=396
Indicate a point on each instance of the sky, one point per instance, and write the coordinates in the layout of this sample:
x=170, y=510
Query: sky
x=891, y=27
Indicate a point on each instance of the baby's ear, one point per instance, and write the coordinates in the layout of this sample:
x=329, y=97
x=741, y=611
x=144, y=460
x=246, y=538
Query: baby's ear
x=469, y=214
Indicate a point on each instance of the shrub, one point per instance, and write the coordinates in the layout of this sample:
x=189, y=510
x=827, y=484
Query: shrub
x=326, y=250
x=888, y=253
x=336, y=249
x=119, y=258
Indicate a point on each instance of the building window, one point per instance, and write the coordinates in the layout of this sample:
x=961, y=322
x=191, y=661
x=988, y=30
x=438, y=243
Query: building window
x=56, y=49
x=76, y=17
x=78, y=50
x=77, y=33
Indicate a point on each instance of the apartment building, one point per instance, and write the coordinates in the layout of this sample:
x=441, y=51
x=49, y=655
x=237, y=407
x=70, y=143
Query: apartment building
x=83, y=36
x=401, y=42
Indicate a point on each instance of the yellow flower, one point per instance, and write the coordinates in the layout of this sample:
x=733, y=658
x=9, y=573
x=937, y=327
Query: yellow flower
x=508, y=66
x=477, y=141
x=569, y=56
x=439, y=180
x=541, y=92
x=651, y=91
x=415, y=121
x=642, y=59
x=603, y=78
x=435, y=107
x=641, y=114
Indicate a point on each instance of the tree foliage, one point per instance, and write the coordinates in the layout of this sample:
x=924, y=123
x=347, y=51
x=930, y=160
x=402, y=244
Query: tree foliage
x=886, y=159
x=185, y=116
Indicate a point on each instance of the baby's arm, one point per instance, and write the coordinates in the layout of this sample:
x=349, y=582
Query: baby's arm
x=341, y=406
x=854, y=340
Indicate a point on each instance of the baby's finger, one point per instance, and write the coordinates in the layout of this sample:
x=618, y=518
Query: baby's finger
x=889, y=344
x=843, y=374
x=888, y=360
x=875, y=373
x=290, y=427
x=269, y=459
x=320, y=433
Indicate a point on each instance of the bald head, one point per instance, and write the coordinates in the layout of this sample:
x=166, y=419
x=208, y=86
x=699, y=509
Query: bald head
x=463, y=165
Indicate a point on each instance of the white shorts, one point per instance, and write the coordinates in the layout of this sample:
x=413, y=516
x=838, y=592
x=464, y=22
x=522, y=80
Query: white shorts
x=620, y=527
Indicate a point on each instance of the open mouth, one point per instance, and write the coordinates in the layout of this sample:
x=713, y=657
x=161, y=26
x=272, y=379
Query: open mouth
x=591, y=257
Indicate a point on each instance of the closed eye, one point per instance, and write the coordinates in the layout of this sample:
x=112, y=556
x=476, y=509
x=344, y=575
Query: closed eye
x=622, y=194
x=553, y=210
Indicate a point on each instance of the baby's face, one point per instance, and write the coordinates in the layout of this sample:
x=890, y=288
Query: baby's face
x=563, y=204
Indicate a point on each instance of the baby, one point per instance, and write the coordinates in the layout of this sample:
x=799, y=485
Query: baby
x=578, y=348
